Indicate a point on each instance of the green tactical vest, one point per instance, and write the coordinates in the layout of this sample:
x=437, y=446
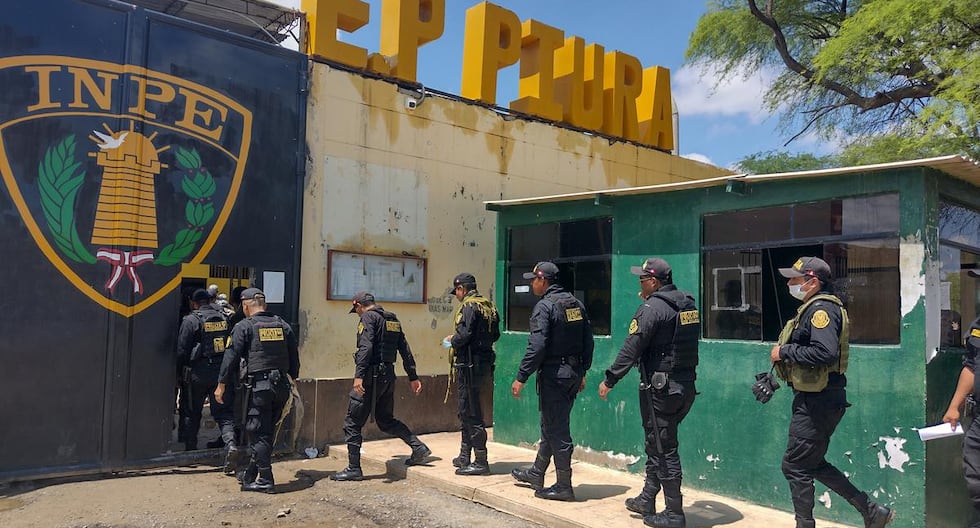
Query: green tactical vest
x=813, y=379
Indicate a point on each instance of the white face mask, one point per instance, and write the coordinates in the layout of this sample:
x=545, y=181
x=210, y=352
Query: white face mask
x=796, y=290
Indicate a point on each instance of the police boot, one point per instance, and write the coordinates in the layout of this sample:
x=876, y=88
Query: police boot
x=673, y=514
x=464, y=455
x=264, y=482
x=479, y=467
x=231, y=459
x=806, y=523
x=420, y=452
x=247, y=474
x=562, y=490
x=644, y=503
x=534, y=475
x=353, y=469
x=875, y=515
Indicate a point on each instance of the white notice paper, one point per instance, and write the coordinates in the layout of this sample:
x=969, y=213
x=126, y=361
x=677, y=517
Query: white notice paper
x=274, y=286
x=939, y=431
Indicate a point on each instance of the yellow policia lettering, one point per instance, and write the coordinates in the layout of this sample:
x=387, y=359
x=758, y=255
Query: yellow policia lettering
x=573, y=314
x=634, y=326
x=820, y=319
x=219, y=326
x=393, y=326
x=975, y=332
x=219, y=344
x=690, y=317
x=271, y=334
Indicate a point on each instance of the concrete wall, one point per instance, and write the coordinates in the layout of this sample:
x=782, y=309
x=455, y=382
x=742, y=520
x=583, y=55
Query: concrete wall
x=386, y=179
x=730, y=444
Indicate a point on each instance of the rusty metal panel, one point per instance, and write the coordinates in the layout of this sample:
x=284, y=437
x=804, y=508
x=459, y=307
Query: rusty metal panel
x=130, y=143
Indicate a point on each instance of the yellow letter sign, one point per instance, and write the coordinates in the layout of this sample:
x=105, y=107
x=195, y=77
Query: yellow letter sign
x=536, y=88
x=325, y=17
x=492, y=42
x=406, y=25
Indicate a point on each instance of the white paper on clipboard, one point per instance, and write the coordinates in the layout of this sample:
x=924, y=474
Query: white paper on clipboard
x=942, y=430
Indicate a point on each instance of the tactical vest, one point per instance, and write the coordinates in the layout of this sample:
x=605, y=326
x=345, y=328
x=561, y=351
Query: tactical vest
x=813, y=379
x=391, y=337
x=681, y=353
x=568, y=328
x=483, y=337
x=213, y=334
x=268, y=350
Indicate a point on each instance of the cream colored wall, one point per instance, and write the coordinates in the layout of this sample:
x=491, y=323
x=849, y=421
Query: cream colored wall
x=389, y=180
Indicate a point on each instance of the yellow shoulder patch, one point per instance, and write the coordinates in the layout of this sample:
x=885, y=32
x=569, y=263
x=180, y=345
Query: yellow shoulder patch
x=634, y=326
x=975, y=332
x=820, y=319
x=360, y=328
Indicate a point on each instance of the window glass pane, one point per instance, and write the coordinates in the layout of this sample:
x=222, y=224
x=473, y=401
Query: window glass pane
x=867, y=280
x=959, y=295
x=870, y=214
x=755, y=225
x=733, y=290
x=817, y=219
x=582, y=250
x=959, y=224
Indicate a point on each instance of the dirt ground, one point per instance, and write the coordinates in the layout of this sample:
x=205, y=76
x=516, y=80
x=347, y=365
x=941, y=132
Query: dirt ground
x=202, y=496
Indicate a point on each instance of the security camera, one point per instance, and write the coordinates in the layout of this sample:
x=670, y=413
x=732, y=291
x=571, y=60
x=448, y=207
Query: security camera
x=411, y=103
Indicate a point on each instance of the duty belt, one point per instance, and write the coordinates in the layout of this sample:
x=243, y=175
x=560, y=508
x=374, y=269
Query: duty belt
x=563, y=360
x=262, y=375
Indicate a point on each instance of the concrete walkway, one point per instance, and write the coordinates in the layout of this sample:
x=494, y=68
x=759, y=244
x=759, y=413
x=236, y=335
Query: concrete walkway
x=600, y=491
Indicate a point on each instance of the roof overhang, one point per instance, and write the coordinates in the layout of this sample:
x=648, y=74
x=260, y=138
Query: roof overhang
x=959, y=167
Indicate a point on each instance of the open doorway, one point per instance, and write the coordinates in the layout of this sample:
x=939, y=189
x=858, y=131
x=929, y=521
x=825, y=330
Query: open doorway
x=196, y=417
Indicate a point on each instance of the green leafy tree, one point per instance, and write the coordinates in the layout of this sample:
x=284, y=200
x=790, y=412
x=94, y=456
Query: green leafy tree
x=901, y=77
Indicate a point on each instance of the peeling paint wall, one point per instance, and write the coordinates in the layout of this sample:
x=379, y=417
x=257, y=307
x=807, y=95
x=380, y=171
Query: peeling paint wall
x=389, y=180
x=730, y=444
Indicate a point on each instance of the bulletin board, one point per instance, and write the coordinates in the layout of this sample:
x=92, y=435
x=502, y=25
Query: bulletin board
x=389, y=278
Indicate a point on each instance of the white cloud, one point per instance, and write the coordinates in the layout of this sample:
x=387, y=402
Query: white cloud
x=697, y=94
x=698, y=157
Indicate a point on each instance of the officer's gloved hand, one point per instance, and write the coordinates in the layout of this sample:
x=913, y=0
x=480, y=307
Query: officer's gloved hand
x=764, y=387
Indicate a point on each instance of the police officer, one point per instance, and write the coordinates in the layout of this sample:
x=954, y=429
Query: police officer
x=812, y=357
x=268, y=345
x=967, y=384
x=559, y=349
x=379, y=339
x=201, y=347
x=663, y=342
x=477, y=328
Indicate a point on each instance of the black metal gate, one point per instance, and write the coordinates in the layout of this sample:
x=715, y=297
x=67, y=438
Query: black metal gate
x=130, y=143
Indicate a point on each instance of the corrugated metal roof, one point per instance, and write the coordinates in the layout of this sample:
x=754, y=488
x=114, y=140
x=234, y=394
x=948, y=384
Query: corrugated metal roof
x=959, y=167
x=251, y=18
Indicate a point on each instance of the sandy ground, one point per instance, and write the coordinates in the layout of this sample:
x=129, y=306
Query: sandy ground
x=202, y=496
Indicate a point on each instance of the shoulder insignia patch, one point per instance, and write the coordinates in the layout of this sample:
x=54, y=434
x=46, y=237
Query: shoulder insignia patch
x=360, y=328
x=975, y=332
x=634, y=326
x=820, y=319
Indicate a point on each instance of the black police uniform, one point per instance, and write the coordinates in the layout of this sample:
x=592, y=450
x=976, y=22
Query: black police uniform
x=379, y=339
x=268, y=345
x=473, y=343
x=663, y=341
x=201, y=346
x=815, y=342
x=559, y=349
x=971, y=441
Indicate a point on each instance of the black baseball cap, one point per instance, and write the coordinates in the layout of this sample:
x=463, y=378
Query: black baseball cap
x=251, y=293
x=653, y=267
x=236, y=294
x=463, y=279
x=200, y=295
x=361, y=298
x=808, y=267
x=545, y=270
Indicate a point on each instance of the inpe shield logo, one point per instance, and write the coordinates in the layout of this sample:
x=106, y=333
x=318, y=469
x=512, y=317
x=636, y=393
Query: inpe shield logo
x=120, y=174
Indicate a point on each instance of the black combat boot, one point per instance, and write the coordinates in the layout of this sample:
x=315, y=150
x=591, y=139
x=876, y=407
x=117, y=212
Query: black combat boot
x=247, y=474
x=264, y=482
x=353, y=469
x=480, y=466
x=464, y=454
x=673, y=514
x=644, y=503
x=875, y=515
x=805, y=523
x=231, y=459
x=420, y=452
x=534, y=475
x=562, y=490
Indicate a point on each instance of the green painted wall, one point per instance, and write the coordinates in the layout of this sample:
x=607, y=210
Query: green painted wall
x=730, y=444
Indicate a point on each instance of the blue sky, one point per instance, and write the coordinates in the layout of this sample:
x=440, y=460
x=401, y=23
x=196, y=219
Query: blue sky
x=719, y=125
